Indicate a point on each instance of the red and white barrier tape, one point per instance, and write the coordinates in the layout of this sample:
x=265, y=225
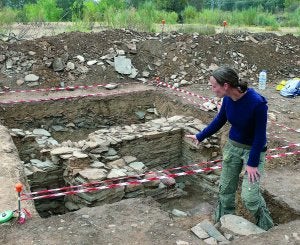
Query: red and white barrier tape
x=69, y=88
x=134, y=182
x=181, y=90
x=206, y=109
x=195, y=103
x=87, y=188
x=207, y=99
x=65, y=97
x=284, y=147
x=122, y=178
x=282, y=155
x=57, y=89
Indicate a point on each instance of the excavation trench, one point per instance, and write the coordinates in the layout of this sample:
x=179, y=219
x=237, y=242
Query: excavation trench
x=78, y=141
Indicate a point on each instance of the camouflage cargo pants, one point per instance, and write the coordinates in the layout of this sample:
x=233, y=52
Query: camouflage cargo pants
x=234, y=159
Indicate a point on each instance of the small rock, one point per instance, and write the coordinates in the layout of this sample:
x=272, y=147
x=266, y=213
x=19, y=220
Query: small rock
x=32, y=84
x=70, y=66
x=20, y=82
x=80, y=58
x=145, y=74
x=71, y=206
x=140, y=114
x=31, y=78
x=91, y=62
x=97, y=164
x=93, y=174
x=211, y=241
x=2, y=58
x=179, y=213
x=184, y=82
x=120, y=52
x=40, y=131
x=209, y=105
x=111, y=86
x=79, y=154
x=296, y=236
x=199, y=232
x=179, y=242
x=116, y=173
x=58, y=64
x=31, y=53
x=138, y=166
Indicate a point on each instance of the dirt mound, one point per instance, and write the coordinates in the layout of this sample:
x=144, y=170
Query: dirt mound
x=188, y=57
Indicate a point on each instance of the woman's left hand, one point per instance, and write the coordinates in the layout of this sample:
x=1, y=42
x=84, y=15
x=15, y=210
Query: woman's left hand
x=253, y=174
x=193, y=137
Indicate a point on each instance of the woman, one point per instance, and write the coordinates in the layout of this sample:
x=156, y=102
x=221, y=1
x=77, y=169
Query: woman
x=246, y=111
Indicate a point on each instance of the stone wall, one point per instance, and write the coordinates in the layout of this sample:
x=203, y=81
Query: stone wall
x=117, y=152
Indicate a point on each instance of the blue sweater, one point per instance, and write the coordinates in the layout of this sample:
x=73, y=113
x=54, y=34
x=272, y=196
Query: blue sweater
x=248, y=119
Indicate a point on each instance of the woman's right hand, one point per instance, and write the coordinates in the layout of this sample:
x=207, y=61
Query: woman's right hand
x=193, y=137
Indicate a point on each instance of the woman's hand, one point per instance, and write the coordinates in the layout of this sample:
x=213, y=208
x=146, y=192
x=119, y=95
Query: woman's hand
x=253, y=174
x=193, y=137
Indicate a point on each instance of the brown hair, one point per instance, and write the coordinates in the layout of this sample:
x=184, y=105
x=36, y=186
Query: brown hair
x=225, y=74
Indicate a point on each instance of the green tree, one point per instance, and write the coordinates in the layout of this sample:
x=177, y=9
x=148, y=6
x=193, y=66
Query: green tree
x=291, y=4
x=66, y=5
x=77, y=10
x=172, y=5
x=198, y=4
x=91, y=11
x=274, y=5
x=189, y=14
x=267, y=5
x=117, y=4
x=43, y=10
x=136, y=3
x=15, y=4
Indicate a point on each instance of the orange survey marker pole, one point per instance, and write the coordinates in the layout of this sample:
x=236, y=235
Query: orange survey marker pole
x=22, y=212
x=19, y=188
x=224, y=25
x=163, y=22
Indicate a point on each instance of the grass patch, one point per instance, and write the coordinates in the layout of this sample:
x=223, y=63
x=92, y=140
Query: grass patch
x=8, y=16
x=201, y=29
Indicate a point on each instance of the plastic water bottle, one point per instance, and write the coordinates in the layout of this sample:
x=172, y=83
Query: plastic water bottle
x=262, y=80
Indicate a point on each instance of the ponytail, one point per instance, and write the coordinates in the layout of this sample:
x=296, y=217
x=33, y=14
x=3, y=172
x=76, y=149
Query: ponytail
x=242, y=85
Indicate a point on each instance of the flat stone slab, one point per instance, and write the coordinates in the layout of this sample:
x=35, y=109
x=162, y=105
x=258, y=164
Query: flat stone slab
x=209, y=228
x=239, y=225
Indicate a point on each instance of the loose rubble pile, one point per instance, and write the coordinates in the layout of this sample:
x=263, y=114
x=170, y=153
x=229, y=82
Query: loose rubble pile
x=113, y=56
